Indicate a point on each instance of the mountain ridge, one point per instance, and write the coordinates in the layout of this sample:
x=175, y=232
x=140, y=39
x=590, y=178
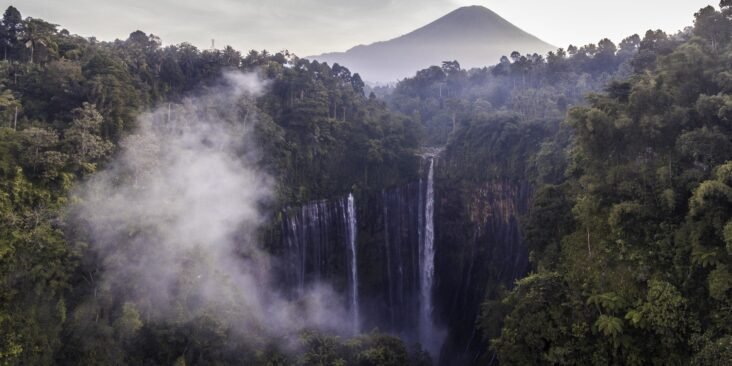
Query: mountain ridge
x=473, y=35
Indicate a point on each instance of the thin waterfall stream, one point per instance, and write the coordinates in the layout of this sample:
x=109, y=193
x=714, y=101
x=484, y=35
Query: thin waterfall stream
x=352, y=232
x=427, y=264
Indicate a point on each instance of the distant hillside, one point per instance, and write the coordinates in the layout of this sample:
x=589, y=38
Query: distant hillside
x=473, y=35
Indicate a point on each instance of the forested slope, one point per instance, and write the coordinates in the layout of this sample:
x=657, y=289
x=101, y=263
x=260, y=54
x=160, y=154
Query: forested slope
x=637, y=271
x=604, y=166
x=68, y=103
x=583, y=199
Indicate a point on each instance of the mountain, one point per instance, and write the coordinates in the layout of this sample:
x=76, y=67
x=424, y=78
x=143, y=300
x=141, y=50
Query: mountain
x=473, y=35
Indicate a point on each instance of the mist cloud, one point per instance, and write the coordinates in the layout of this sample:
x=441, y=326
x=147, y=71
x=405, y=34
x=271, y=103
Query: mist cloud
x=174, y=220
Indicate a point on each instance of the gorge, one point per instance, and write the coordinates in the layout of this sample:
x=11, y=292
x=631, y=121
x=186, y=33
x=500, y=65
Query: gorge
x=324, y=241
x=169, y=205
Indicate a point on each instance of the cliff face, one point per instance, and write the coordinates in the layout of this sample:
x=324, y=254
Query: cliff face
x=479, y=252
x=314, y=243
x=400, y=269
x=311, y=245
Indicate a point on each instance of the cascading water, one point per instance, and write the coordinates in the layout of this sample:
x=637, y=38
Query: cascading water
x=427, y=264
x=320, y=244
x=351, y=220
x=409, y=258
x=306, y=233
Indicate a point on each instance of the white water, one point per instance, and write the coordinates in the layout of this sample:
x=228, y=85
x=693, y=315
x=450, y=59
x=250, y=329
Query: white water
x=427, y=266
x=351, y=220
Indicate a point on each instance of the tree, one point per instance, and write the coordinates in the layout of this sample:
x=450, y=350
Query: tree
x=357, y=84
x=515, y=56
x=38, y=37
x=450, y=67
x=83, y=142
x=605, y=55
x=717, y=353
x=630, y=45
x=10, y=105
x=12, y=28
x=713, y=26
x=538, y=329
x=40, y=153
x=726, y=6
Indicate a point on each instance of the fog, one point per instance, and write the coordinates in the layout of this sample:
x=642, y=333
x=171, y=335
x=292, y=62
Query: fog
x=174, y=217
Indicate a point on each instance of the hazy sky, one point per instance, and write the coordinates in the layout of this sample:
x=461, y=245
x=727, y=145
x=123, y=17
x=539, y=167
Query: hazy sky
x=309, y=27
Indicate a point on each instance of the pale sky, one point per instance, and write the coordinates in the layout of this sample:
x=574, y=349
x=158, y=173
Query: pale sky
x=309, y=27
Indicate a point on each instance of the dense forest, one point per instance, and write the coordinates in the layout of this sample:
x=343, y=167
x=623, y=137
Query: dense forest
x=67, y=104
x=582, y=201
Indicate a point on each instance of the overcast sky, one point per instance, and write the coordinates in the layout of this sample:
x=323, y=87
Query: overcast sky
x=309, y=27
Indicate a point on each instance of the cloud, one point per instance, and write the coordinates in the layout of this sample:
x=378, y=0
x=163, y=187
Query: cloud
x=309, y=27
x=303, y=26
x=174, y=220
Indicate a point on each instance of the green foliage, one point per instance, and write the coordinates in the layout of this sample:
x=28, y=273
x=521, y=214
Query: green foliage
x=34, y=264
x=549, y=220
x=629, y=225
x=648, y=249
x=84, y=145
x=373, y=349
x=609, y=326
x=540, y=328
x=609, y=301
x=728, y=236
x=531, y=86
x=129, y=322
x=65, y=104
x=720, y=281
x=717, y=353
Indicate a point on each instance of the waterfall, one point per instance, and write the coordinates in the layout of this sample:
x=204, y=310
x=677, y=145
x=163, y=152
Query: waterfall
x=307, y=232
x=387, y=252
x=409, y=259
x=319, y=240
x=427, y=264
x=351, y=220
